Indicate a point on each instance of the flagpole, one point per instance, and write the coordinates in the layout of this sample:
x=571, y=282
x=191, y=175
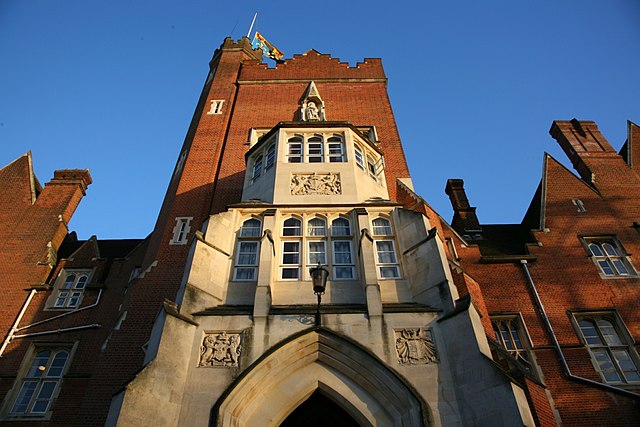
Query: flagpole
x=251, y=27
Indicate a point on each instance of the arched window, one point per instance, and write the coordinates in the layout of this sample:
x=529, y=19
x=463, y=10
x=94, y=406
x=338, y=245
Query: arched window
x=316, y=227
x=359, y=156
x=371, y=167
x=251, y=228
x=336, y=149
x=382, y=227
x=271, y=157
x=608, y=256
x=292, y=227
x=294, y=149
x=611, y=352
x=247, y=250
x=386, y=258
x=39, y=385
x=257, y=168
x=315, y=149
x=71, y=291
x=291, y=249
x=340, y=227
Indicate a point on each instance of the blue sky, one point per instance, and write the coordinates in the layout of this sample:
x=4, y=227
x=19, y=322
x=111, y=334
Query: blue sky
x=111, y=86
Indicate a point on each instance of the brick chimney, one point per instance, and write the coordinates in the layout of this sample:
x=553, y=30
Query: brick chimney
x=64, y=192
x=464, y=217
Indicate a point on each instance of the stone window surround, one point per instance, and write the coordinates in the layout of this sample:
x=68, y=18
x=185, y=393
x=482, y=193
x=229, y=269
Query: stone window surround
x=615, y=262
x=390, y=237
x=181, y=230
x=305, y=238
x=27, y=361
x=522, y=351
x=216, y=107
x=245, y=238
x=71, y=292
x=324, y=142
x=622, y=332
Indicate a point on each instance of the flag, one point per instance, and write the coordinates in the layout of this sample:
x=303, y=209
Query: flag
x=269, y=50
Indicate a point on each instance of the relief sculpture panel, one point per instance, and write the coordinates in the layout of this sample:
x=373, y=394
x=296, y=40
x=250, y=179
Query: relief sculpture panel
x=415, y=346
x=220, y=349
x=315, y=183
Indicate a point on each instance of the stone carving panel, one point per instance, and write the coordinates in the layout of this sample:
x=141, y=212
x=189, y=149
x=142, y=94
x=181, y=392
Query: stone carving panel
x=415, y=346
x=220, y=349
x=315, y=183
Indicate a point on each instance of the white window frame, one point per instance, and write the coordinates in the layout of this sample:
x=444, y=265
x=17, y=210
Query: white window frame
x=291, y=266
x=246, y=266
x=371, y=168
x=342, y=265
x=316, y=228
x=606, y=349
x=385, y=233
x=347, y=228
x=249, y=234
x=295, y=149
x=43, y=378
x=387, y=229
x=387, y=265
x=334, y=142
x=216, y=106
x=181, y=230
x=311, y=245
x=69, y=292
x=317, y=141
x=359, y=156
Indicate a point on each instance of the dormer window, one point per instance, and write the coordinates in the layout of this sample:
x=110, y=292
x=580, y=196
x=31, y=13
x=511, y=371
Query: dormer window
x=71, y=289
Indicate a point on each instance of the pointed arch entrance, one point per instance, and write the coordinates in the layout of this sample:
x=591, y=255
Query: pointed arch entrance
x=320, y=368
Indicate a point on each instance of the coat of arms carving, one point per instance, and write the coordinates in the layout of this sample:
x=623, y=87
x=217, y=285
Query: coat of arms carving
x=220, y=349
x=415, y=346
x=315, y=183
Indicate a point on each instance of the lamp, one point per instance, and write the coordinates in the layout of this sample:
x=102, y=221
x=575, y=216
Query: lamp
x=319, y=277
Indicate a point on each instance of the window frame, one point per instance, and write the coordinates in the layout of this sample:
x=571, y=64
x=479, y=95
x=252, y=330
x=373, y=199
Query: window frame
x=311, y=245
x=246, y=239
x=514, y=321
x=256, y=169
x=295, y=149
x=606, y=261
x=358, y=154
x=386, y=236
x=270, y=157
x=181, y=230
x=27, y=373
x=626, y=344
x=216, y=107
x=74, y=291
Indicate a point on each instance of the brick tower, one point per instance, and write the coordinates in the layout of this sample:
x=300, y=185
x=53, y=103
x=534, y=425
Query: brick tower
x=288, y=172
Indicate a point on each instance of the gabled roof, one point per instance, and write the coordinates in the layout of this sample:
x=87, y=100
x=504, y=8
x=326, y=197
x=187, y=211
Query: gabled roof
x=535, y=216
x=19, y=183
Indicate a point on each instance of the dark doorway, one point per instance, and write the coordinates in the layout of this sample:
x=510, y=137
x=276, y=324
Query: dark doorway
x=319, y=411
